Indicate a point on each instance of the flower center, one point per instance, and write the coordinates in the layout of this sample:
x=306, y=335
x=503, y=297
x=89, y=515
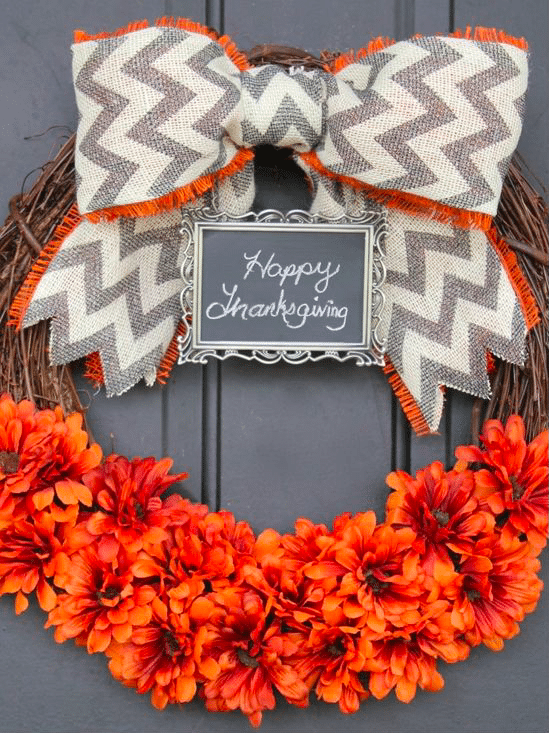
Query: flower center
x=442, y=517
x=246, y=659
x=518, y=490
x=171, y=645
x=139, y=510
x=336, y=649
x=9, y=462
x=473, y=595
x=374, y=583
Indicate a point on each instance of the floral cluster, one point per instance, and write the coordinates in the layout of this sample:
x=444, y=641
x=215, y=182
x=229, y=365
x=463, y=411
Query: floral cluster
x=185, y=602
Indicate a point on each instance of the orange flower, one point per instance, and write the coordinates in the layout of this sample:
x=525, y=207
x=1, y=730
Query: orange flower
x=375, y=576
x=442, y=509
x=402, y=665
x=30, y=553
x=495, y=587
x=132, y=513
x=251, y=655
x=331, y=660
x=167, y=655
x=515, y=484
x=99, y=603
x=279, y=574
x=409, y=659
x=210, y=551
x=42, y=458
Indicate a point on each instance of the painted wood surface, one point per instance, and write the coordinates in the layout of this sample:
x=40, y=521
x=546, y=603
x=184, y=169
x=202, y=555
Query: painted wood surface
x=270, y=443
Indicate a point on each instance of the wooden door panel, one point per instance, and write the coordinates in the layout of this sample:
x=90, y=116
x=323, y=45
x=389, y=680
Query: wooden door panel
x=311, y=440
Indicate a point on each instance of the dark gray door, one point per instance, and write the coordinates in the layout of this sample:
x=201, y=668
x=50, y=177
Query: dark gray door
x=270, y=443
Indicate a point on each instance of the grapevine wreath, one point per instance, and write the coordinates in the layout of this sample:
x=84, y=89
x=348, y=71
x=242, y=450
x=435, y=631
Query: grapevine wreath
x=185, y=601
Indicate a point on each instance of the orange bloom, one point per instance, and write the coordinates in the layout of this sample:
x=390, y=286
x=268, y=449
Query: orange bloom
x=495, y=587
x=167, y=655
x=409, y=659
x=281, y=560
x=514, y=485
x=441, y=507
x=99, y=603
x=30, y=553
x=209, y=552
x=402, y=665
x=375, y=576
x=42, y=458
x=252, y=658
x=132, y=513
x=331, y=660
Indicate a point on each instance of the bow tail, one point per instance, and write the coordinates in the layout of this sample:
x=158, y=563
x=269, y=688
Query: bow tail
x=451, y=296
x=112, y=290
x=449, y=301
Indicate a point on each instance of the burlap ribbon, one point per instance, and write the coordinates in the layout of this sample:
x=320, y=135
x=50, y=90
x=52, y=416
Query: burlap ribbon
x=425, y=128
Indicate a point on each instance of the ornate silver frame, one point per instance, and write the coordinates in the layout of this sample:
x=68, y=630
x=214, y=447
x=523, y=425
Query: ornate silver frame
x=373, y=223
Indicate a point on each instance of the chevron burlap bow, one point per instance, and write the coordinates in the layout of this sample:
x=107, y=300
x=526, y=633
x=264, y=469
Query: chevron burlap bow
x=424, y=127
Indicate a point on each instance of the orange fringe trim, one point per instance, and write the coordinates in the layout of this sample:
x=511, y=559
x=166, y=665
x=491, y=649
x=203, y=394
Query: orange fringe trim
x=479, y=33
x=351, y=56
x=237, y=57
x=409, y=203
x=493, y=35
x=170, y=357
x=176, y=198
x=80, y=36
x=21, y=301
x=94, y=367
x=520, y=284
x=490, y=363
x=408, y=403
x=230, y=48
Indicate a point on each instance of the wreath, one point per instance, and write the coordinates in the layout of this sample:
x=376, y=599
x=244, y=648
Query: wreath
x=185, y=602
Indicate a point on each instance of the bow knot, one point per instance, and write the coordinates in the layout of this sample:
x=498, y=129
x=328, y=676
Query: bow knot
x=298, y=99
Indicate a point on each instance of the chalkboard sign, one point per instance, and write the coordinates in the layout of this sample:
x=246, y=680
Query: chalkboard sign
x=274, y=286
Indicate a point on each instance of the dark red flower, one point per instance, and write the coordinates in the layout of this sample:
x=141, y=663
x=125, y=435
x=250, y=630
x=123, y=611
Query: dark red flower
x=492, y=591
x=31, y=554
x=42, y=458
x=515, y=481
x=252, y=657
x=442, y=509
x=132, y=513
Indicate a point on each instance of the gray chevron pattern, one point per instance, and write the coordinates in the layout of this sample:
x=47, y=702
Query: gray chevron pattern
x=160, y=107
x=114, y=288
x=436, y=117
x=449, y=300
x=153, y=106
x=280, y=109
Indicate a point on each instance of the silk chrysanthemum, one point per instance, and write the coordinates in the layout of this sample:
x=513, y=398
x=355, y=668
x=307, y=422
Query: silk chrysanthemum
x=188, y=602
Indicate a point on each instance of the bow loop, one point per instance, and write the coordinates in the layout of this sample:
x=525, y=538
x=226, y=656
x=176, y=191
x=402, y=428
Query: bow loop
x=426, y=125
